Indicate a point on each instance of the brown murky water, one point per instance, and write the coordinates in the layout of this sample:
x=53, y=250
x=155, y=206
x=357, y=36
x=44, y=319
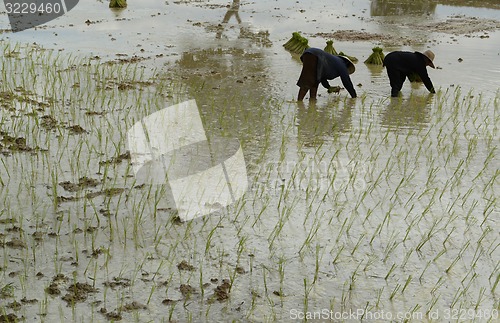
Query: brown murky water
x=375, y=206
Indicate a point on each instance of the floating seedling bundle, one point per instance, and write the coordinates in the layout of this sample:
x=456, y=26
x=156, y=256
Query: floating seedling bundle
x=352, y=58
x=118, y=4
x=329, y=48
x=297, y=44
x=377, y=57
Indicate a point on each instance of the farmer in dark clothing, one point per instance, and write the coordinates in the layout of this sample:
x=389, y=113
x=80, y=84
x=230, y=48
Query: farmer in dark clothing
x=319, y=67
x=401, y=65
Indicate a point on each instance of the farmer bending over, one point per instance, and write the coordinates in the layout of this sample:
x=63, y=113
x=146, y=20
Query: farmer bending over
x=401, y=65
x=319, y=67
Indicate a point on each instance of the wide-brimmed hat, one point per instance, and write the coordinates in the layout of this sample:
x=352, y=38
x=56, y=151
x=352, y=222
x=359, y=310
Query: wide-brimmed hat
x=430, y=56
x=350, y=65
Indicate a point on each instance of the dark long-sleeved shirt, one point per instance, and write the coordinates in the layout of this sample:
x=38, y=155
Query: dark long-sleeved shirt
x=408, y=63
x=330, y=67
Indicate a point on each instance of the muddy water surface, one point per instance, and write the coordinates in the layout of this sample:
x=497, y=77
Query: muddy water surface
x=372, y=205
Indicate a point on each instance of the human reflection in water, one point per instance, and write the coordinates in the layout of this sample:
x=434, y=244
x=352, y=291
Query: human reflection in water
x=319, y=122
x=260, y=37
x=410, y=113
x=401, y=7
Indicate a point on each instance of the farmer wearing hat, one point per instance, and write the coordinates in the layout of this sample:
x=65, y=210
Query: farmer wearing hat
x=318, y=67
x=401, y=65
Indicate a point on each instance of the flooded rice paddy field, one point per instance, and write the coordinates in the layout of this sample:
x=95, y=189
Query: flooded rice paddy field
x=386, y=208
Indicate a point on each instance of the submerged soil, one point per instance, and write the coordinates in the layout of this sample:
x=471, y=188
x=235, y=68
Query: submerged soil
x=457, y=25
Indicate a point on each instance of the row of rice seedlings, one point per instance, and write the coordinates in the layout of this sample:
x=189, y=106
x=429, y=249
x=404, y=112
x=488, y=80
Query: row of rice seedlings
x=456, y=178
x=88, y=152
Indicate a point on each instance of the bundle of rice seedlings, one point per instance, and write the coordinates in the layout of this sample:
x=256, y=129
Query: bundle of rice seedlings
x=297, y=44
x=352, y=58
x=377, y=57
x=329, y=48
x=118, y=4
x=334, y=89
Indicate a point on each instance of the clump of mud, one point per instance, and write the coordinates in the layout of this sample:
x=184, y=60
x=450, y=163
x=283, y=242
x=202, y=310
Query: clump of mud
x=83, y=182
x=10, y=318
x=459, y=25
x=9, y=144
x=183, y=265
x=221, y=292
x=118, y=282
x=187, y=290
x=456, y=25
x=116, y=160
x=78, y=292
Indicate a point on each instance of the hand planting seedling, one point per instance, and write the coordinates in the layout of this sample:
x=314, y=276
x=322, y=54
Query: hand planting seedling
x=402, y=64
x=334, y=89
x=319, y=67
